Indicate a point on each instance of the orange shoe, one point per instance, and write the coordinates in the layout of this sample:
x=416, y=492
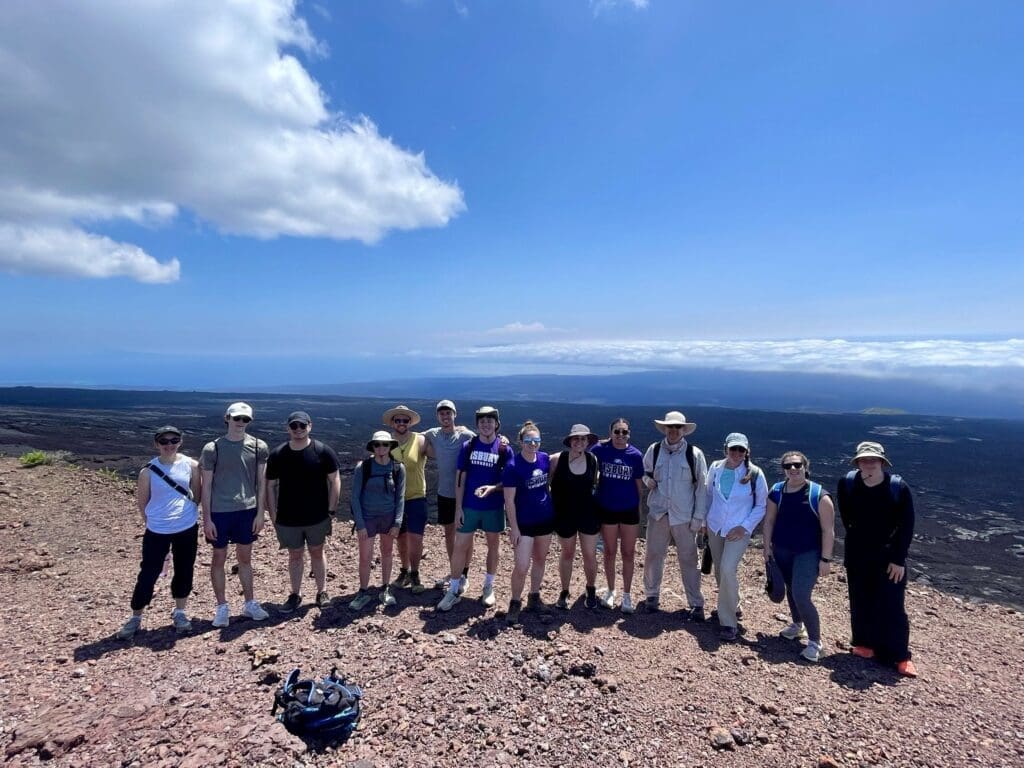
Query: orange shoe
x=907, y=668
x=863, y=651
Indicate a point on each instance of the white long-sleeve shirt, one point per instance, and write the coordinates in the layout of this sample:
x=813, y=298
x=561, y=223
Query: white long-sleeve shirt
x=675, y=494
x=741, y=508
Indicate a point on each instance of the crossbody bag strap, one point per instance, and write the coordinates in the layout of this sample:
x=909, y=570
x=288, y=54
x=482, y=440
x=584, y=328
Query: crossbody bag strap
x=186, y=492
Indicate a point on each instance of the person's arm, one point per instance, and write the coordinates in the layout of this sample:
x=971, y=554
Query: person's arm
x=648, y=477
x=196, y=482
x=700, y=497
x=553, y=462
x=142, y=492
x=510, y=511
x=272, y=488
x=209, y=529
x=333, y=491
x=261, y=496
x=399, y=501
x=827, y=518
x=431, y=453
x=460, y=490
x=356, y=499
x=759, y=486
x=903, y=535
x=771, y=510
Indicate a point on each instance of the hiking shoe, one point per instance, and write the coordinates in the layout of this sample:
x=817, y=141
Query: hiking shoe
x=448, y=601
x=442, y=583
x=696, y=614
x=514, y=607
x=487, y=596
x=127, y=632
x=180, y=621
x=728, y=634
x=795, y=631
x=536, y=604
x=649, y=605
x=907, y=668
x=608, y=598
x=563, y=600
x=360, y=601
x=812, y=651
x=739, y=613
x=322, y=600
x=627, y=603
x=863, y=651
x=590, y=601
x=386, y=598
x=223, y=615
x=463, y=583
x=293, y=602
x=254, y=611
x=404, y=579
x=416, y=586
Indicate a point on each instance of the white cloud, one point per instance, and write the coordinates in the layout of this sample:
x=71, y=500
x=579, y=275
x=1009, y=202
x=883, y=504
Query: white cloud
x=517, y=329
x=601, y=6
x=128, y=110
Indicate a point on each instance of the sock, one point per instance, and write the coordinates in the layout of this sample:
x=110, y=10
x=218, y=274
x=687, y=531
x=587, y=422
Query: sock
x=415, y=576
x=591, y=590
x=488, y=580
x=465, y=572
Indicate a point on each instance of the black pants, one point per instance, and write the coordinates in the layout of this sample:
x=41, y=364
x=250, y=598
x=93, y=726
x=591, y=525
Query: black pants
x=155, y=547
x=877, y=614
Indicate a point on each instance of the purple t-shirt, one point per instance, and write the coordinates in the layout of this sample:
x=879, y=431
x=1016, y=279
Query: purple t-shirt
x=481, y=468
x=616, y=489
x=533, y=500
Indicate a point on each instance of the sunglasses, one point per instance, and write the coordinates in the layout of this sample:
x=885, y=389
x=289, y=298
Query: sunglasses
x=531, y=440
x=297, y=425
x=169, y=440
x=400, y=421
x=737, y=448
x=620, y=432
x=243, y=419
x=380, y=445
x=793, y=465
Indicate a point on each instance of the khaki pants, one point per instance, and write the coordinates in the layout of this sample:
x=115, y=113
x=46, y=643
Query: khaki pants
x=659, y=534
x=727, y=556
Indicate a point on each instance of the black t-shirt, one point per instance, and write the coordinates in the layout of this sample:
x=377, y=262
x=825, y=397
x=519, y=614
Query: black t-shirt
x=302, y=482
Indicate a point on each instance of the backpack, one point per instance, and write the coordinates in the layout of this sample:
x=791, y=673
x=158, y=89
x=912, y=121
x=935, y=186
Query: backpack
x=895, y=481
x=814, y=494
x=474, y=442
x=689, y=461
x=327, y=709
x=366, y=469
x=754, y=473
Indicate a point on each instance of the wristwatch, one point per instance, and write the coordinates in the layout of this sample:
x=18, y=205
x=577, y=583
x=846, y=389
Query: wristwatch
x=826, y=559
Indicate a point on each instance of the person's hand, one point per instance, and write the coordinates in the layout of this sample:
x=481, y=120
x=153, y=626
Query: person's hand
x=393, y=531
x=650, y=482
x=514, y=536
x=361, y=534
x=736, y=533
x=483, y=491
x=696, y=525
x=458, y=518
x=257, y=524
x=768, y=552
x=823, y=568
x=209, y=529
x=895, y=572
x=504, y=440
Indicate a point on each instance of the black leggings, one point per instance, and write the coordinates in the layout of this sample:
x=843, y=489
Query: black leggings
x=155, y=547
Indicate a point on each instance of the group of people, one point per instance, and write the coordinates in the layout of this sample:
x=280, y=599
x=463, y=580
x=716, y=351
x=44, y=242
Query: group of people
x=589, y=494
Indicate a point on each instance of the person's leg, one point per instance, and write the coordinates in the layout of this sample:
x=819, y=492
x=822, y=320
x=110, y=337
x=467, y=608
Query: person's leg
x=717, y=544
x=243, y=554
x=804, y=575
x=318, y=564
x=860, y=587
x=184, y=547
x=403, y=551
x=689, y=570
x=588, y=550
x=565, y=561
x=387, y=548
x=296, y=567
x=460, y=554
x=627, y=542
x=541, y=546
x=523, y=553
x=493, y=553
x=154, y=550
x=610, y=535
x=217, y=578
x=892, y=623
x=415, y=547
x=654, y=560
x=365, y=559
x=786, y=559
x=729, y=583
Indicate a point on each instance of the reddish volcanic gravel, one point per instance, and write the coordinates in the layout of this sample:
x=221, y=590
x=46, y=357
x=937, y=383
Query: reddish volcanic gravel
x=460, y=689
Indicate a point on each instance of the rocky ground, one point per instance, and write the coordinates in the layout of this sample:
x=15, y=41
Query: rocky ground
x=576, y=688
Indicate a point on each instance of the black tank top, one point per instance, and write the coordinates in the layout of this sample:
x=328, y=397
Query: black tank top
x=573, y=494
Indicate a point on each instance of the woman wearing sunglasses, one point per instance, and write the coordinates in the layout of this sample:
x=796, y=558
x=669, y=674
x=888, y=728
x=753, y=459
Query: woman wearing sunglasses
x=531, y=518
x=618, y=501
x=799, y=534
x=166, y=496
x=737, y=495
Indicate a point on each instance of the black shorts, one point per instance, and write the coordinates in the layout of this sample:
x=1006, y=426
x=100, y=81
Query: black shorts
x=538, y=529
x=445, y=510
x=619, y=516
x=569, y=523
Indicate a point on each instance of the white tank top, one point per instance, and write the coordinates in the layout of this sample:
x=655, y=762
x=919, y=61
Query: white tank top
x=168, y=511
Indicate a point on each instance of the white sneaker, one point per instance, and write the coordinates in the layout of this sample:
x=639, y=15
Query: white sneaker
x=608, y=598
x=795, y=631
x=448, y=601
x=463, y=583
x=627, y=603
x=223, y=615
x=254, y=611
x=386, y=598
x=127, y=632
x=812, y=652
x=487, y=596
x=180, y=621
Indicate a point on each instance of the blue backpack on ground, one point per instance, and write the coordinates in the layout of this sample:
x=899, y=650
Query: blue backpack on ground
x=326, y=710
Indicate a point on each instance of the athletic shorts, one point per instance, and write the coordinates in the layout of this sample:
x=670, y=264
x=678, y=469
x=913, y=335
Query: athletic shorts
x=233, y=527
x=415, y=518
x=487, y=520
x=568, y=525
x=445, y=510
x=533, y=530
x=297, y=536
x=619, y=516
x=378, y=525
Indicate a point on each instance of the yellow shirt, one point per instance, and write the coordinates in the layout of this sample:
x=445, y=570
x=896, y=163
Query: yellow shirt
x=415, y=462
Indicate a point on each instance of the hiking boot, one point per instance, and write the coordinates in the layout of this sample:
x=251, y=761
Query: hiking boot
x=590, y=601
x=627, y=603
x=608, y=599
x=794, y=631
x=696, y=614
x=386, y=598
x=907, y=668
x=223, y=615
x=415, y=585
x=728, y=634
x=442, y=583
x=739, y=613
x=514, y=607
x=535, y=604
x=127, y=632
x=487, y=596
x=863, y=651
x=404, y=579
x=649, y=605
x=360, y=601
x=254, y=611
x=322, y=600
x=180, y=621
x=448, y=601
x=563, y=600
x=812, y=651
x=291, y=604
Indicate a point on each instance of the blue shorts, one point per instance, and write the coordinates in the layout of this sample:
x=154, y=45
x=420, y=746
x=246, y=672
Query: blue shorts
x=487, y=520
x=415, y=518
x=375, y=526
x=233, y=527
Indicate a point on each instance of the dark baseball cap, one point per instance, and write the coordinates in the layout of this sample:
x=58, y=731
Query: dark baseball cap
x=299, y=416
x=167, y=430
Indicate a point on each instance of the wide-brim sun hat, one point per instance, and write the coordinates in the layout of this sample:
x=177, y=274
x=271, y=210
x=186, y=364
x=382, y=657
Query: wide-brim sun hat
x=239, y=409
x=870, y=450
x=381, y=436
x=401, y=410
x=580, y=430
x=737, y=438
x=675, y=419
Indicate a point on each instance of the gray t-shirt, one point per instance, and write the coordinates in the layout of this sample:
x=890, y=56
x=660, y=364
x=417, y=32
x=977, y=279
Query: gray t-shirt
x=234, y=472
x=446, y=451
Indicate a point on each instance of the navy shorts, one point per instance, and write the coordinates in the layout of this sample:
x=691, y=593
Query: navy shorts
x=582, y=519
x=415, y=518
x=619, y=516
x=378, y=525
x=445, y=510
x=233, y=527
x=533, y=530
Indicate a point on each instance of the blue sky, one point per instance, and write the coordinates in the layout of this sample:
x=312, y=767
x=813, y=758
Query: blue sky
x=221, y=194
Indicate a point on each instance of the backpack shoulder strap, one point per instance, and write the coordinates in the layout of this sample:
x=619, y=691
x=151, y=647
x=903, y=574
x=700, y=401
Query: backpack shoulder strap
x=895, y=481
x=156, y=470
x=654, y=459
x=775, y=494
x=690, y=462
x=849, y=480
x=814, y=496
x=365, y=469
x=591, y=469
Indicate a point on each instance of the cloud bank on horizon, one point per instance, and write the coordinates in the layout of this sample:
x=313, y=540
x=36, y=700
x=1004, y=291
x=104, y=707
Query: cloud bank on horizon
x=142, y=112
